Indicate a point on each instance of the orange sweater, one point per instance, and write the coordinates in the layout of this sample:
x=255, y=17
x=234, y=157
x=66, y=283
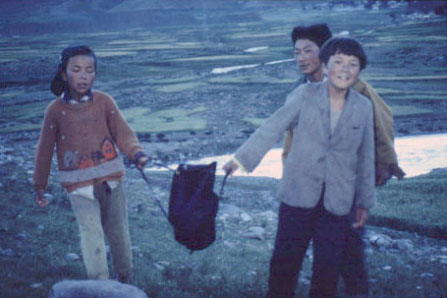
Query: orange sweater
x=85, y=135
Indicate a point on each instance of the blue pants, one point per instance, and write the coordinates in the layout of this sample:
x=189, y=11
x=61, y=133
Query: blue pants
x=353, y=269
x=296, y=227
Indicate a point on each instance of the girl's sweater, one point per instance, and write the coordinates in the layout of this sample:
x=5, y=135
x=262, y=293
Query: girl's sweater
x=86, y=136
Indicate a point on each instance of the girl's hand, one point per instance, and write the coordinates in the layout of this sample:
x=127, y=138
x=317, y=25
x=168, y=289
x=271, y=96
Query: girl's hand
x=40, y=199
x=142, y=161
x=230, y=167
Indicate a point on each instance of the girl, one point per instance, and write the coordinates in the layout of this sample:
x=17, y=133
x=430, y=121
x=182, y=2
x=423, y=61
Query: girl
x=86, y=127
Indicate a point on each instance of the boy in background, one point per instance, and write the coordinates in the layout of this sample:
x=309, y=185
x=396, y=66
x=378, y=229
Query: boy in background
x=87, y=127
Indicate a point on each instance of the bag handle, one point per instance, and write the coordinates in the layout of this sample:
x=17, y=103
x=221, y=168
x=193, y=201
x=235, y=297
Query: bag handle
x=155, y=197
x=223, y=184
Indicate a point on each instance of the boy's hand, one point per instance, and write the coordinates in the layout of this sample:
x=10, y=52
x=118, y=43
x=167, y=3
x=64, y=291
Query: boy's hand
x=397, y=171
x=230, y=167
x=40, y=199
x=361, y=214
x=383, y=174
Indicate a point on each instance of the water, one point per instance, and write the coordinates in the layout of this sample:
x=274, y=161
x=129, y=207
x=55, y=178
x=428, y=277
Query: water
x=417, y=155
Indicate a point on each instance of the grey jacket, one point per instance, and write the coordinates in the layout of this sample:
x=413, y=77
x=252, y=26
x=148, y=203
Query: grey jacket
x=344, y=162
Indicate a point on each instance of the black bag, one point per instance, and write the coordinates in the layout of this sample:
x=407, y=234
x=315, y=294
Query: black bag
x=193, y=205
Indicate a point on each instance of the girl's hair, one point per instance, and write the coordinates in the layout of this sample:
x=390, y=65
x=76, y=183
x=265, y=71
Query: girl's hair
x=58, y=85
x=342, y=45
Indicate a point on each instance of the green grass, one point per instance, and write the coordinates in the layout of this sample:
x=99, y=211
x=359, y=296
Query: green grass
x=262, y=79
x=143, y=120
x=408, y=110
x=234, y=266
x=416, y=205
x=169, y=88
x=405, y=78
x=19, y=127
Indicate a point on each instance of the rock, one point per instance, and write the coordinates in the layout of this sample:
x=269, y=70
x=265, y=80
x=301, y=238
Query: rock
x=255, y=233
x=21, y=236
x=230, y=209
x=94, y=288
x=427, y=275
x=387, y=268
x=269, y=215
x=246, y=217
x=380, y=240
x=71, y=256
x=161, y=265
x=48, y=196
x=404, y=244
x=36, y=285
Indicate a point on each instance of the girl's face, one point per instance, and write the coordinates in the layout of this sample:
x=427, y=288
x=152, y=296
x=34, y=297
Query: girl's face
x=342, y=70
x=80, y=75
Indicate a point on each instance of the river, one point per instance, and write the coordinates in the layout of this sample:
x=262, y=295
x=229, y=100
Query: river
x=417, y=155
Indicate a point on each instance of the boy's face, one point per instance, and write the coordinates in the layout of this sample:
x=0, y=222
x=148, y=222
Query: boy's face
x=80, y=75
x=342, y=70
x=306, y=56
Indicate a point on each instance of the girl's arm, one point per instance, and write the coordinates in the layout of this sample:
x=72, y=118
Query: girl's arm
x=44, y=155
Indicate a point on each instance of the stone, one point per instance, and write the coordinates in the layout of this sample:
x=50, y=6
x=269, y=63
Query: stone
x=255, y=233
x=269, y=215
x=48, y=196
x=161, y=265
x=380, y=240
x=21, y=236
x=403, y=244
x=245, y=217
x=229, y=209
x=94, y=288
x=71, y=256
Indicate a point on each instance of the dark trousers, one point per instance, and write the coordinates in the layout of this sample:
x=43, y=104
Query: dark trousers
x=353, y=269
x=296, y=227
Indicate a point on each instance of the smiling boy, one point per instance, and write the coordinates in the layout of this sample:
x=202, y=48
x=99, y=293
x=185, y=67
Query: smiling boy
x=307, y=41
x=331, y=162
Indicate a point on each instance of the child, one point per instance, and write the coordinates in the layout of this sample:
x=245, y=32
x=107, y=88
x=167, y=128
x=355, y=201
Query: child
x=307, y=41
x=331, y=159
x=86, y=127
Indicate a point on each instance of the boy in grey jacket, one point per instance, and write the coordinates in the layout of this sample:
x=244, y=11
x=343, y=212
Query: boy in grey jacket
x=331, y=160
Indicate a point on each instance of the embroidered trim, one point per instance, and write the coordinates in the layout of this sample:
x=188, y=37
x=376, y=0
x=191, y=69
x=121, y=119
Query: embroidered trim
x=94, y=172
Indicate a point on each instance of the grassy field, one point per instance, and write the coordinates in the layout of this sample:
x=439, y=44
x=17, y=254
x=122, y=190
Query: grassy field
x=161, y=77
x=168, y=67
x=35, y=241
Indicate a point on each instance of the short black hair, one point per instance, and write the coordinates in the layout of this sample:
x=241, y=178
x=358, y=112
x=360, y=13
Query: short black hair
x=318, y=33
x=342, y=45
x=58, y=85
